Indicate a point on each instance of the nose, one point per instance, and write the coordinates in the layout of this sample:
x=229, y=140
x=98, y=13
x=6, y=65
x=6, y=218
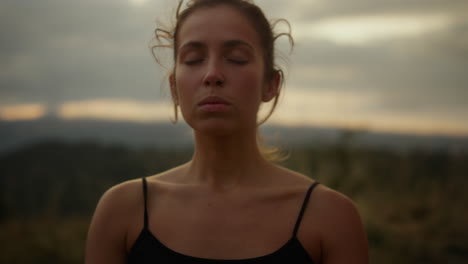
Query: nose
x=214, y=75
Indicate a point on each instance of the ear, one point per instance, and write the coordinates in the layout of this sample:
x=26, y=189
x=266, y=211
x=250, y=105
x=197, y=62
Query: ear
x=172, y=83
x=271, y=88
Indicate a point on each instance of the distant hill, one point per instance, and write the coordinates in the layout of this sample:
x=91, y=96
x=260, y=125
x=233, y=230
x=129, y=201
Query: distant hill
x=14, y=134
x=18, y=133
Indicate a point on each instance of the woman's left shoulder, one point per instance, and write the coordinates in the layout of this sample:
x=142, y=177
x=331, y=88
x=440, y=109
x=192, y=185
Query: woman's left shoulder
x=336, y=219
x=333, y=203
x=322, y=196
x=323, y=202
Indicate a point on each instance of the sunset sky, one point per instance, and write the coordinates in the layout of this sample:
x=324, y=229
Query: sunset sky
x=397, y=65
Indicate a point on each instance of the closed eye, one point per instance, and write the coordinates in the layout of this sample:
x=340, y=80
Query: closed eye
x=237, y=61
x=193, y=62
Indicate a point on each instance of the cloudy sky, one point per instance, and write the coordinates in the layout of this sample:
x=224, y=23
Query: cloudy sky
x=380, y=65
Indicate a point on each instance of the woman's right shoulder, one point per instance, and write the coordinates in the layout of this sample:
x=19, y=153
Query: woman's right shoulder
x=120, y=202
x=128, y=195
x=111, y=220
x=123, y=194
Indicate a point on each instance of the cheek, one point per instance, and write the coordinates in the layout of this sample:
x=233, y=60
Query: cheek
x=250, y=85
x=185, y=84
x=186, y=87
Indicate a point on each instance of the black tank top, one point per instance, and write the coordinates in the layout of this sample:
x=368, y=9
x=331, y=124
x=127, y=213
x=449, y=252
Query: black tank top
x=148, y=249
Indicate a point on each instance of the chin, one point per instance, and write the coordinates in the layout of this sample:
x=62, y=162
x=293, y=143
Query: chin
x=218, y=125
x=215, y=127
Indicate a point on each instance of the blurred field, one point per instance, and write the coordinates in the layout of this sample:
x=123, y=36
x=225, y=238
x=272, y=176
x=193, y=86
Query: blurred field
x=413, y=203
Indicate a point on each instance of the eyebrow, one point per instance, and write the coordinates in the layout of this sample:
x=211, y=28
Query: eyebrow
x=235, y=43
x=192, y=44
x=226, y=44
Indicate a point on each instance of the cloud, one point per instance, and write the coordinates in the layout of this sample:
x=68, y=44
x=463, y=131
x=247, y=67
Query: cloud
x=137, y=3
x=66, y=50
x=360, y=30
x=22, y=112
x=406, y=74
x=116, y=110
x=319, y=9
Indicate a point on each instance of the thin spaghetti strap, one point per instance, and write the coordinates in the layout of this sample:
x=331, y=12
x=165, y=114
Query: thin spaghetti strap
x=304, y=205
x=145, y=192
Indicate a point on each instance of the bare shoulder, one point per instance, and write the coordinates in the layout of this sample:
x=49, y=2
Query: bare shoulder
x=325, y=204
x=120, y=197
x=106, y=241
x=331, y=203
x=336, y=218
x=331, y=229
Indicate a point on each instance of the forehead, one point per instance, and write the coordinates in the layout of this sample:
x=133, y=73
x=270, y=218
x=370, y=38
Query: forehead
x=217, y=24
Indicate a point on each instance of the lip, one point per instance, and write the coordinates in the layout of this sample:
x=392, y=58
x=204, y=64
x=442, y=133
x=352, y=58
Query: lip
x=213, y=100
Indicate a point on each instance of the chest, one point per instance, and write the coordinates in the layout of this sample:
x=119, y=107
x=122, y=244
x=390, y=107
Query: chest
x=227, y=228
x=244, y=226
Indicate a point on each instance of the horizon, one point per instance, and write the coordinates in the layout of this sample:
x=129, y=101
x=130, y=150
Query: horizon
x=145, y=113
x=266, y=126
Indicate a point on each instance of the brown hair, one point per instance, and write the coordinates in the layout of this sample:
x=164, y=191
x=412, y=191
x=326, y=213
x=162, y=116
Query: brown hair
x=265, y=30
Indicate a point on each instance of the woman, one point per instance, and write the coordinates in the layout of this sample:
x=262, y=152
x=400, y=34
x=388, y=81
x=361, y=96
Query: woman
x=229, y=203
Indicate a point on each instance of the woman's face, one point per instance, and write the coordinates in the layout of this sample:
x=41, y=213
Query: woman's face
x=219, y=71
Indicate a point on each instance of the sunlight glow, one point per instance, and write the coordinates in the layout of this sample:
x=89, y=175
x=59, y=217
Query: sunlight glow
x=116, y=110
x=137, y=3
x=356, y=111
x=364, y=29
x=306, y=107
x=22, y=112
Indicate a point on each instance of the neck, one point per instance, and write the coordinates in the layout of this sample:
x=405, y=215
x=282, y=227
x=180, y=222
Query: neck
x=225, y=162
